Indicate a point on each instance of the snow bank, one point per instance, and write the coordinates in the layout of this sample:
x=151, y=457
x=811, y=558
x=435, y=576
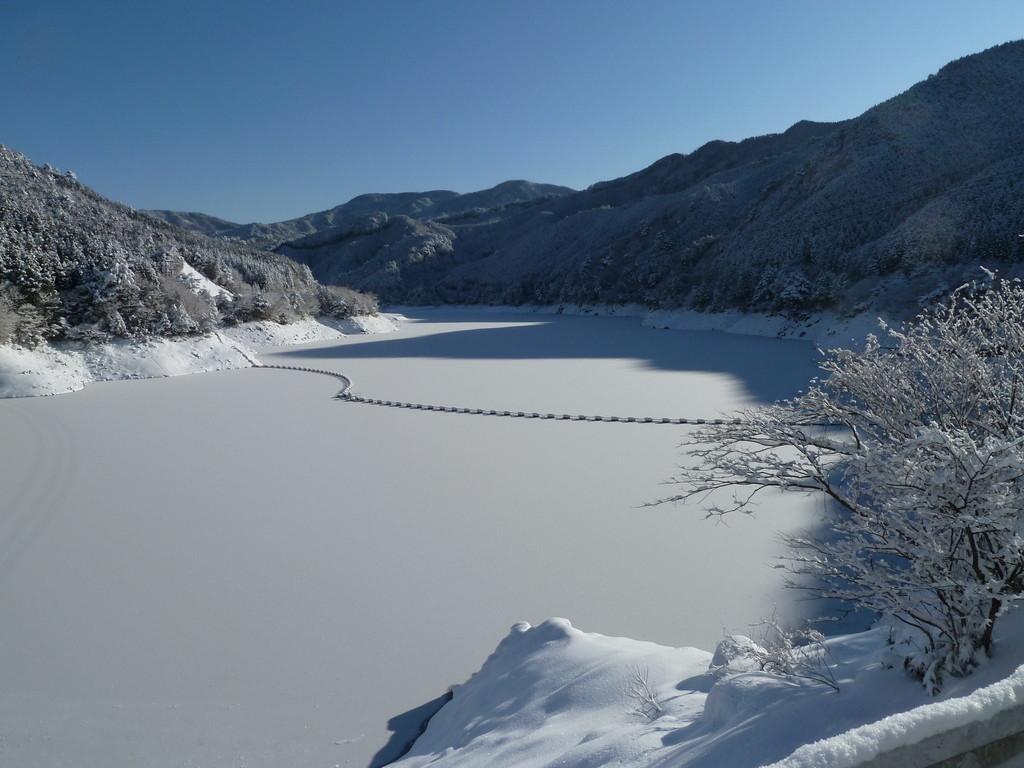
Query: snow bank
x=824, y=329
x=56, y=369
x=68, y=367
x=553, y=695
x=910, y=728
x=42, y=371
x=266, y=333
x=380, y=323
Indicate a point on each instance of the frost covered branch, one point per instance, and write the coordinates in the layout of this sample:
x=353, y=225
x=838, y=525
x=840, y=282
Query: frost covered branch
x=924, y=468
x=645, y=700
x=800, y=654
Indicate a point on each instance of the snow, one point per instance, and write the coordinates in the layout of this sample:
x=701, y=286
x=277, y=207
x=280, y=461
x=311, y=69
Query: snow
x=61, y=368
x=45, y=371
x=909, y=728
x=238, y=569
x=275, y=603
x=267, y=333
x=52, y=370
x=379, y=323
x=735, y=653
x=200, y=283
x=826, y=330
x=553, y=695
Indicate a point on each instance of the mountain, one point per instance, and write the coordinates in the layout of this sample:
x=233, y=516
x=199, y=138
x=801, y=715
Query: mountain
x=76, y=266
x=202, y=223
x=384, y=254
x=420, y=205
x=913, y=194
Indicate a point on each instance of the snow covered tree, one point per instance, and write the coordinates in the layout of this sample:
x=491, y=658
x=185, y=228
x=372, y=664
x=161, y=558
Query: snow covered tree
x=180, y=322
x=115, y=323
x=79, y=267
x=794, y=291
x=924, y=461
x=8, y=317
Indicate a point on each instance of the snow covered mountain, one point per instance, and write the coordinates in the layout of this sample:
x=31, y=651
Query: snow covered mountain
x=202, y=223
x=76, y=266
x=877, y=211
x=435, y=204
x=910, y=196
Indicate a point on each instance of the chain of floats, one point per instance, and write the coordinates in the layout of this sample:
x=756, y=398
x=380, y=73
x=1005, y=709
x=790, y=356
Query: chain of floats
x=347, y=395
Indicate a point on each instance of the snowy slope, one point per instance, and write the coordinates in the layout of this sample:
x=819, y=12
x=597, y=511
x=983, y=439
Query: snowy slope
x=266, y=333
x=553, y=695
x=68, y=367
x=53, y=369
x=201, y=283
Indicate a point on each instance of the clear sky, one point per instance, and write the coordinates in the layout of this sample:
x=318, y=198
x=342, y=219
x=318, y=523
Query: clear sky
x=255, y=110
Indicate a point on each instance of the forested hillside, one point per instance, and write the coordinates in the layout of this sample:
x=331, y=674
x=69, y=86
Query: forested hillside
x=910, y=196
x=76, y=266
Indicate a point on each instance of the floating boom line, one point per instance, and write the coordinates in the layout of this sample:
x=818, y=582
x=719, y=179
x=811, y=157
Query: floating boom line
x=349, y=396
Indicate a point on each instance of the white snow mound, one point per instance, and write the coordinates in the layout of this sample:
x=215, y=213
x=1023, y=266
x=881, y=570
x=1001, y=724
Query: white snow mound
x=553, y=695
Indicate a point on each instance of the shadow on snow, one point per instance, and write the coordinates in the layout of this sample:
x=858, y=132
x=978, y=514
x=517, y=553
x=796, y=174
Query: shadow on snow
x=768, y=371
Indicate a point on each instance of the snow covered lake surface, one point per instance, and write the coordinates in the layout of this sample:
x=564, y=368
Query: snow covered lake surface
x=235, y=569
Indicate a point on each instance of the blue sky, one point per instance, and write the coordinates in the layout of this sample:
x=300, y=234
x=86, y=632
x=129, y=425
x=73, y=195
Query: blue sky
x=267, y=110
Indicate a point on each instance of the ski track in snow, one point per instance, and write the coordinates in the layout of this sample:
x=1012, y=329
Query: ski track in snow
x=37, y=497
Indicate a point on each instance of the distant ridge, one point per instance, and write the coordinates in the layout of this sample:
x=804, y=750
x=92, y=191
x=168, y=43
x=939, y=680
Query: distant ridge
x=196, y=222
x=422, y=205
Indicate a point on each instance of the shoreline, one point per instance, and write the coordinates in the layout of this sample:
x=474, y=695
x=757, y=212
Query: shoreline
x=56, y=369
x=824, y=329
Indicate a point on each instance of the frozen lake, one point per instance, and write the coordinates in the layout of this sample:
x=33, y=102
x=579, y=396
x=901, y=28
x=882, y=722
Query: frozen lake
x=234, y=569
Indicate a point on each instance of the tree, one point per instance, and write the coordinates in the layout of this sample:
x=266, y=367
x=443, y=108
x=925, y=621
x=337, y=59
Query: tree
x=8, y=317
x=79, y=267
x=924, y=462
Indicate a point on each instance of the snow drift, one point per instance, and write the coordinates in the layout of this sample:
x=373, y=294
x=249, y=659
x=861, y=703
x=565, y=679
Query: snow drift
x=553, y=695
